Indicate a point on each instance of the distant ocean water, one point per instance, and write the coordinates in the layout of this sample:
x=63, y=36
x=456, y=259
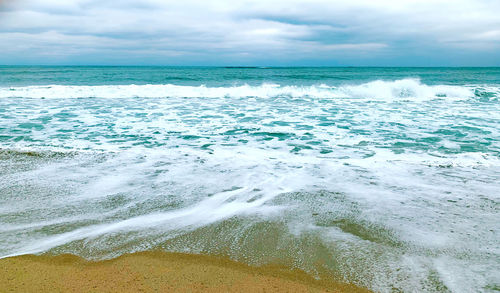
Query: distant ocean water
x=388, y=178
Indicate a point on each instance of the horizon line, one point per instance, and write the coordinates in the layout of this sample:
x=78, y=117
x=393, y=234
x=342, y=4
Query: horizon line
x=239, y=66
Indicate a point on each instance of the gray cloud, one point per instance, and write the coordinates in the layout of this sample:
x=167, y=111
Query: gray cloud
x=316, y=32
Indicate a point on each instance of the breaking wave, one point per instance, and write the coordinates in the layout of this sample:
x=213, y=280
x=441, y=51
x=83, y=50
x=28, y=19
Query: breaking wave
x=390, y=90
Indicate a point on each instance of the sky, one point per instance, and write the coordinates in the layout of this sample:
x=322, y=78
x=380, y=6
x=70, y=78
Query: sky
x=250, y=32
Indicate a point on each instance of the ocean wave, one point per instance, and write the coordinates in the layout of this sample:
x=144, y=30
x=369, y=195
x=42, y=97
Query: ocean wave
x=412, y=89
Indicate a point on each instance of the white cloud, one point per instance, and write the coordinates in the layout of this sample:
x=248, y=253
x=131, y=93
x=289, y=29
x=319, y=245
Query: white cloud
x=257, y=29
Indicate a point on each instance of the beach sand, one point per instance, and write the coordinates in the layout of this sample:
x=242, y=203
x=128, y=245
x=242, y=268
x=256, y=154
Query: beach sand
x=154, y=272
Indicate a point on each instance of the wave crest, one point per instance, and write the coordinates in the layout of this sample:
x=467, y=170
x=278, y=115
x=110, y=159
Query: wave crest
x=402, y=89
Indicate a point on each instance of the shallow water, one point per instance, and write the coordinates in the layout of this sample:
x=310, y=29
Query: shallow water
x=386, y=178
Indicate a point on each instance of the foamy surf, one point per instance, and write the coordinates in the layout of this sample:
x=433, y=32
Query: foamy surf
x=391, y=183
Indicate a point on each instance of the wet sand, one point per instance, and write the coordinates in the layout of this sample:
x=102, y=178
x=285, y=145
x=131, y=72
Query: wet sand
x=154, y=272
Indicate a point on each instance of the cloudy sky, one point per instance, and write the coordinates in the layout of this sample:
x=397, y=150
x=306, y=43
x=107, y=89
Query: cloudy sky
x=251, y=32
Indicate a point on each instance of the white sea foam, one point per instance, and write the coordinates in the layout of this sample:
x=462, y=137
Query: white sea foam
x=398, y=180
x=399, y=89
x=406, y=88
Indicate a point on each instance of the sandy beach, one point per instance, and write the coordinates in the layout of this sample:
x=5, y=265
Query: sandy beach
x=154, y=272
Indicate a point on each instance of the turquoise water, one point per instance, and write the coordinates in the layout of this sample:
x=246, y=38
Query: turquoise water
x=388, y=178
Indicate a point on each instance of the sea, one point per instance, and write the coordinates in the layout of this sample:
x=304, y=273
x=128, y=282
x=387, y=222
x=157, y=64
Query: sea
x=387, y=178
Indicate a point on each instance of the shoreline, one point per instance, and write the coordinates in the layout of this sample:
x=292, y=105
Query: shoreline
x=154, y=271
